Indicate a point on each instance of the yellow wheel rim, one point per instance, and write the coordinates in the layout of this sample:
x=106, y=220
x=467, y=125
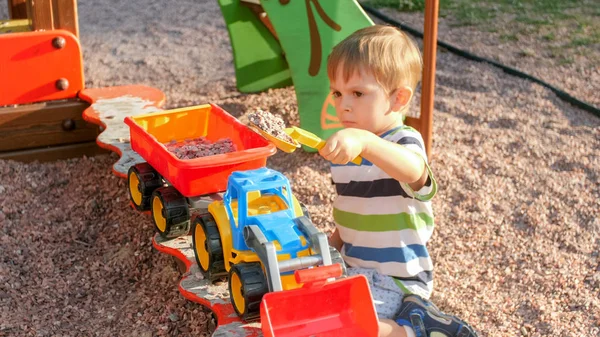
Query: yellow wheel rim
x=159, y=220
x=236, y=293
x=134, y=183
x=200, y=244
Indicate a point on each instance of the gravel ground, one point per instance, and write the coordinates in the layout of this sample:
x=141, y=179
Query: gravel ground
x=516, y=245
x=573, y=69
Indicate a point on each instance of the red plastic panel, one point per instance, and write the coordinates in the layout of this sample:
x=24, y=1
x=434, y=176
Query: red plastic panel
x=339, y=308
x=39, y=66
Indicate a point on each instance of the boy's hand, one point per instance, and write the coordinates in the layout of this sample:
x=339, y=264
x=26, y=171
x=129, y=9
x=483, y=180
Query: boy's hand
x=344, y=145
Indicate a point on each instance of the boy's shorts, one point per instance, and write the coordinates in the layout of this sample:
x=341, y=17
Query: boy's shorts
x=387, y=296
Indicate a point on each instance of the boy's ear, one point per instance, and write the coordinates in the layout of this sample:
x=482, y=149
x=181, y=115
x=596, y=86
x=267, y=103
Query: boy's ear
x=401, y=97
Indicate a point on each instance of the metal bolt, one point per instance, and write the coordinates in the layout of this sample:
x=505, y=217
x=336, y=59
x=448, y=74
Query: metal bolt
x=68, y=124
x=59, y=42
x=62, y=84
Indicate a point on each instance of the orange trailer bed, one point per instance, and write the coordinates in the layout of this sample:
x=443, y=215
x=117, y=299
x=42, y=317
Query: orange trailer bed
x=199, y=176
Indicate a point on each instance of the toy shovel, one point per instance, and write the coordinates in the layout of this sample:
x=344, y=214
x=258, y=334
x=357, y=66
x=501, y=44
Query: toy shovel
x=322, y=308
x=298, y=137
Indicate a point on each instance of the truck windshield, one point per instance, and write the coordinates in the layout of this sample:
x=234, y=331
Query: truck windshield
x=265, y=204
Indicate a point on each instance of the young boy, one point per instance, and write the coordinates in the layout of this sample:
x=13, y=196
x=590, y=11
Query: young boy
x=383, y=212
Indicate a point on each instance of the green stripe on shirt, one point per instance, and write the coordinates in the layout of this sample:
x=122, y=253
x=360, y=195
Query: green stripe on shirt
x=382, y=222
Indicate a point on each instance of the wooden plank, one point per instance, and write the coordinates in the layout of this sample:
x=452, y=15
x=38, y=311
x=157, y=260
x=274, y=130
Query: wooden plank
x=413, y=122
x=64, y=15
x=44, y=124
x=53, y=153
x=17, y=9
x=40, y=13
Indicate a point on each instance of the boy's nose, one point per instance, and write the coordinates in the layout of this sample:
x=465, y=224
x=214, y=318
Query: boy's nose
x=346, y=106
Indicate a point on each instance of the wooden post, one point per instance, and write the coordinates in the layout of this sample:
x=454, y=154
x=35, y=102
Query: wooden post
x=428, y=83
x=17, y=9
x=40, y=14
x=64, y=14
x=52, y=14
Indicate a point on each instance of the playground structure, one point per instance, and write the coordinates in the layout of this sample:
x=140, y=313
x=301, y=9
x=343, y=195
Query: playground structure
x=279, y=42
x=50, y=114
x=274, y=42
x=44, y=106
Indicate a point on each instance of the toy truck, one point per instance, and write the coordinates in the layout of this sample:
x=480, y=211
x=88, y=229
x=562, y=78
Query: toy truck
x=279, y=266
x=173, y=188
x=258, y=235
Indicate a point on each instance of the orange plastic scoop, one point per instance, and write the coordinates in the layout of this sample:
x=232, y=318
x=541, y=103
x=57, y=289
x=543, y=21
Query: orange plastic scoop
x=343, y=307
x=298, y=137
x=281, y=144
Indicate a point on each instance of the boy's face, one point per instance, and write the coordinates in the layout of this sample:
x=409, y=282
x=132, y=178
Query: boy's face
x=363, y=103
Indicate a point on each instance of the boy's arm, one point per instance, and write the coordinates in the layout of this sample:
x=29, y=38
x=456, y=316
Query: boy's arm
x=398, y=161
x=386, y=155
x=335, y=240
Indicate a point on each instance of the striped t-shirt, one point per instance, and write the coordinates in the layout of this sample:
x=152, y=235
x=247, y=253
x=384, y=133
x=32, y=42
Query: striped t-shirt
x=383, y=223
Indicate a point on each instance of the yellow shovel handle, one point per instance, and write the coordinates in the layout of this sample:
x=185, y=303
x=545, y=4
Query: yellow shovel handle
x=358, y=160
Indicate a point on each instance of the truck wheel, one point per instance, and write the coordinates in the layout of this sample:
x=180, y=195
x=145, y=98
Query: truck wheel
x=170, y=212
x=336, y=257
x=247, y=285
x=142, y=180
x=208, y=250
x=305, y=211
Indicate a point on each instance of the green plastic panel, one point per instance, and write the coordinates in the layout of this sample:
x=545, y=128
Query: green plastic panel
x=308, y=30
x=258, y=57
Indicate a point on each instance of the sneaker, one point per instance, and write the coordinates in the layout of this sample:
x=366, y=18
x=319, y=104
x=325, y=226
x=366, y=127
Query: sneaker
x=428, y=321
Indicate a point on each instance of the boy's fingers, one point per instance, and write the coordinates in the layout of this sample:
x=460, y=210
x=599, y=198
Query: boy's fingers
x=331, y=157
x=340, y=158
x=328, y=149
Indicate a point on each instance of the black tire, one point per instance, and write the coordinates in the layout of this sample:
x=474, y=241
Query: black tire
x=170, y=212
x=247, y=295
x=208, y=249
x=142, y=180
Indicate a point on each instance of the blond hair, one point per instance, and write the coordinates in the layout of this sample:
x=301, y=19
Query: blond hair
x=388, y=53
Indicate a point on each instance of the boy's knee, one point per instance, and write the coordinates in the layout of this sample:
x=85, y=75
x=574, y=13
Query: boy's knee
x=389, y=328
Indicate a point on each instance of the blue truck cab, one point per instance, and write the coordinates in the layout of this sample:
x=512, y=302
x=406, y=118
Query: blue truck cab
x=263, y=198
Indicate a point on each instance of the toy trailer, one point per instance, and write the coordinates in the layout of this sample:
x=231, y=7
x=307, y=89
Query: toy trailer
x=171, y=187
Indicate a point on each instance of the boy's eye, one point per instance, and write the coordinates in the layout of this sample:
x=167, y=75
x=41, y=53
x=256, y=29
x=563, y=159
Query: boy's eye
x=358, y=93
x=336, y=94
